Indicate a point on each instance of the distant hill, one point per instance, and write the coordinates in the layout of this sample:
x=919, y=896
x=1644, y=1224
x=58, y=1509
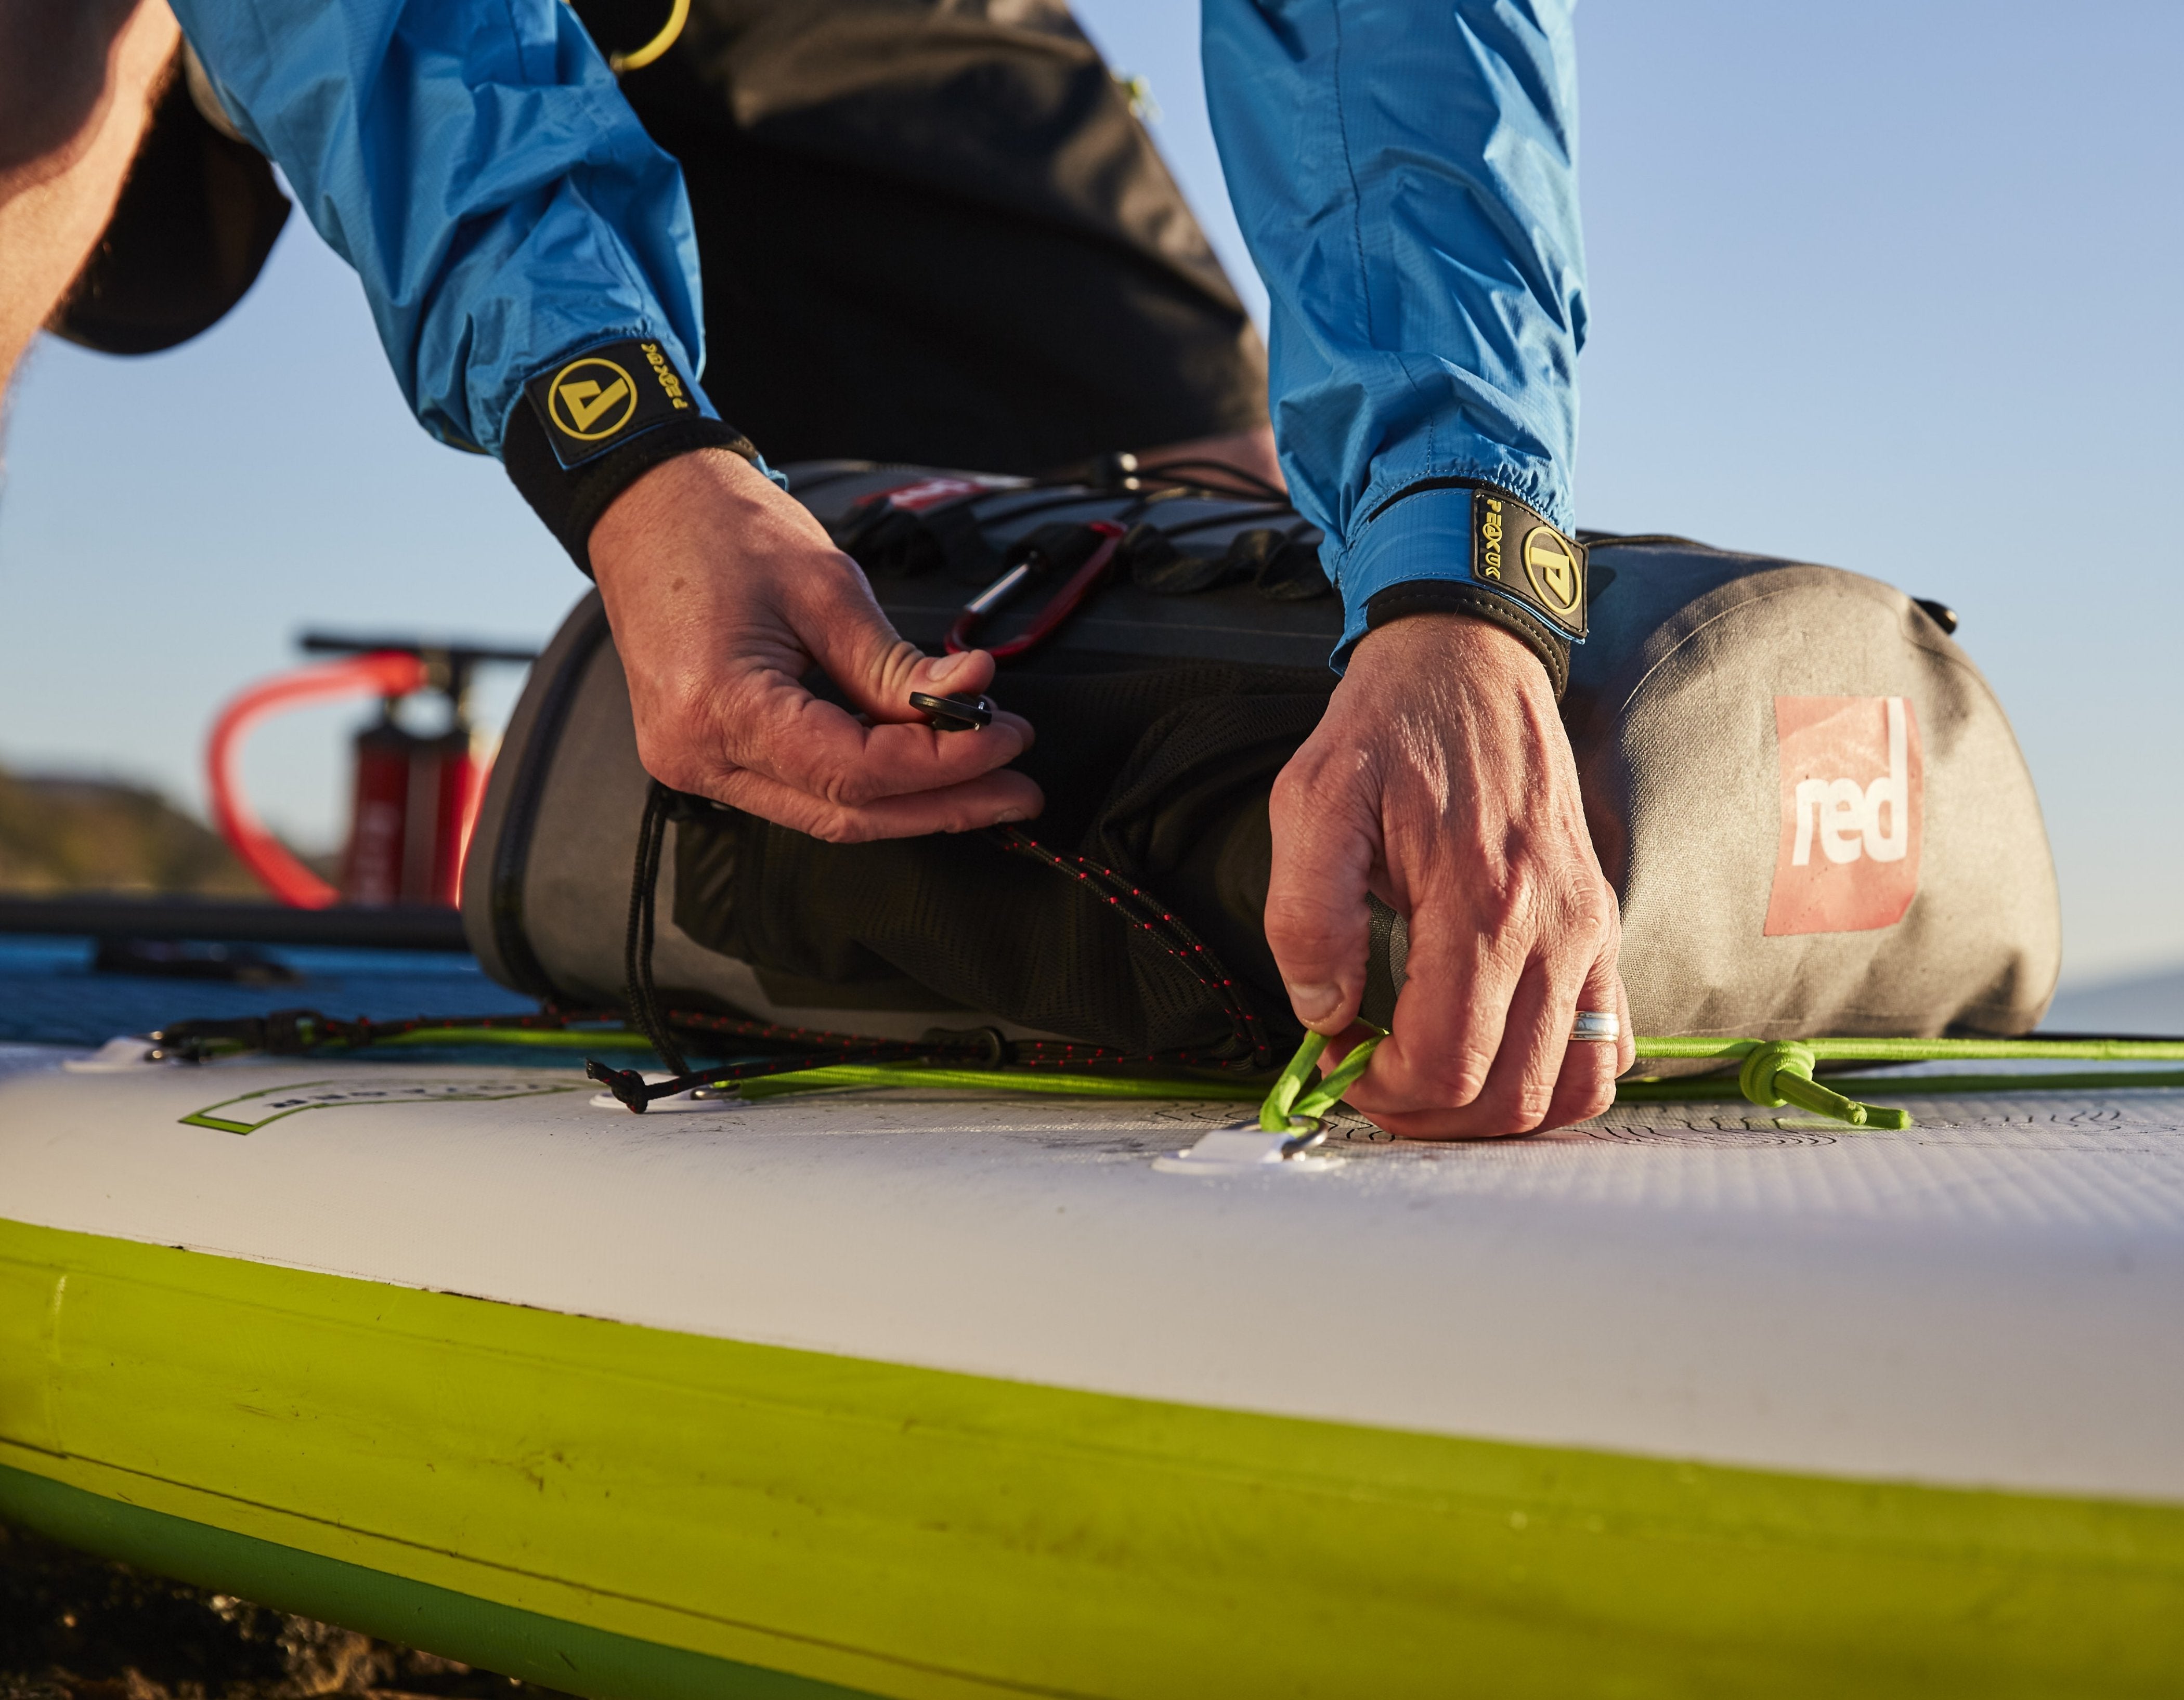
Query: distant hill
x=63, y=833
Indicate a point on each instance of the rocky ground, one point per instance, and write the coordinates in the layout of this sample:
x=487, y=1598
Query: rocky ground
x=62, y=833
x=78, y=1628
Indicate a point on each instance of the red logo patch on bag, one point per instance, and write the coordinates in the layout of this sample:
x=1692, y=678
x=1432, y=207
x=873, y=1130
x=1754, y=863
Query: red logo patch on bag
x=1851, y=815
x=931, y=493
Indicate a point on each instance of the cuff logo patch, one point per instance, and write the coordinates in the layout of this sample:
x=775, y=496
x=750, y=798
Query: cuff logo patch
x=578, y=399
x=1516, y=551
x=602, y=398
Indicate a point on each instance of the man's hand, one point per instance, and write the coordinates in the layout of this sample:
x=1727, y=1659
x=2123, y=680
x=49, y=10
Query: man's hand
x=1441, y=780
x=722, y=591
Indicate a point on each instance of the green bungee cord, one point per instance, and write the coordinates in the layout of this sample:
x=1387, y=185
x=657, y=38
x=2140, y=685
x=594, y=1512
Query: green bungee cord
x=1772, y=1074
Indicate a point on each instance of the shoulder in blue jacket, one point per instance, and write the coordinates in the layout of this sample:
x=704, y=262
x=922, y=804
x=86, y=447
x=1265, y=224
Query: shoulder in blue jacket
x=1405, y=174
x=477, y=167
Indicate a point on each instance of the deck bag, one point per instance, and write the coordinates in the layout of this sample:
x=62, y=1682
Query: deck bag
x=1807, y=798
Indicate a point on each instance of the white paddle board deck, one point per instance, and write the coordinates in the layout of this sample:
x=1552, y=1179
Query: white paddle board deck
x=944, y=1393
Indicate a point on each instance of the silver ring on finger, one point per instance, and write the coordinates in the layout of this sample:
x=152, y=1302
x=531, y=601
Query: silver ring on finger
x=1596, y=1027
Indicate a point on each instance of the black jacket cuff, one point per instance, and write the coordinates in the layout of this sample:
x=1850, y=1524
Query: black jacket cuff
x=1457, y=595
x=571, y=499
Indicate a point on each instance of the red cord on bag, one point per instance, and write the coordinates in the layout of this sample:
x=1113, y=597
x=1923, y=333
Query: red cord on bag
x=1064, y=603
x=383, y=673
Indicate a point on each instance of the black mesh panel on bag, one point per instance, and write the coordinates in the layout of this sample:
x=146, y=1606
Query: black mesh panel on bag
x=1160, y=774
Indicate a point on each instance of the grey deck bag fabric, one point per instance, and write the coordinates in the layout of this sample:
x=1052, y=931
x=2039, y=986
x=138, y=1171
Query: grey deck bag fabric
x=1806, y=796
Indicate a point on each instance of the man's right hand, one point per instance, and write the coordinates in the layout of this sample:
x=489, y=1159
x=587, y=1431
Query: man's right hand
x=722, y=592
x=1441, y=780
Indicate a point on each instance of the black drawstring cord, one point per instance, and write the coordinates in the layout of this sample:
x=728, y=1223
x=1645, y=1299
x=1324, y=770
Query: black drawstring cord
x=637, y=941
x=1247, y=1046
x=1166, y=471
x=637, y=1092
x=300, y=1031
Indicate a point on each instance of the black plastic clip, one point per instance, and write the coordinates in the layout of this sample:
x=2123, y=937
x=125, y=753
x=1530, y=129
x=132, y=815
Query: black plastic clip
x=954, y=714
x=626, y=1084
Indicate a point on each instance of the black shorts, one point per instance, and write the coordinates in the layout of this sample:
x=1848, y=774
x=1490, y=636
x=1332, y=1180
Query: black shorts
x=931, y=236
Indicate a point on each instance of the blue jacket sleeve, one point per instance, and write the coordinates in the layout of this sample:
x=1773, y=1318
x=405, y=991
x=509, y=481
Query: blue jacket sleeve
x=474, y=162
x=1406, y=176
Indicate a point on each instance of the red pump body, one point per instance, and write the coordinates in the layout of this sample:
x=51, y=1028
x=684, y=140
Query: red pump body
x=414, y=800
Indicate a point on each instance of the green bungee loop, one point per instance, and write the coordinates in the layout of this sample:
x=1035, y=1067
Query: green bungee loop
x=1780, y=1072
x=1288, y=1103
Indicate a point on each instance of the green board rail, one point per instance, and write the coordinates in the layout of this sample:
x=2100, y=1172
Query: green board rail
x=641, y=1515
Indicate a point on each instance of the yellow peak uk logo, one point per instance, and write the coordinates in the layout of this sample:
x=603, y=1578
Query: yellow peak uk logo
x=1550, y=565
x=1489, y=537
x=591, y=399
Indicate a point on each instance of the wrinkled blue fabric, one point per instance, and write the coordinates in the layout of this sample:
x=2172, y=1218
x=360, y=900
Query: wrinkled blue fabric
x=1405, y=172
x=477, y=167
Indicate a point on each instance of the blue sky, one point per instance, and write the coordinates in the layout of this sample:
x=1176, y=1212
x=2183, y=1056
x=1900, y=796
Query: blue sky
x=1886, y=286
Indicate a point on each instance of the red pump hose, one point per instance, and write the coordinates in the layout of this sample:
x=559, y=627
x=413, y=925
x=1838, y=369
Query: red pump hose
x=383, y=673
